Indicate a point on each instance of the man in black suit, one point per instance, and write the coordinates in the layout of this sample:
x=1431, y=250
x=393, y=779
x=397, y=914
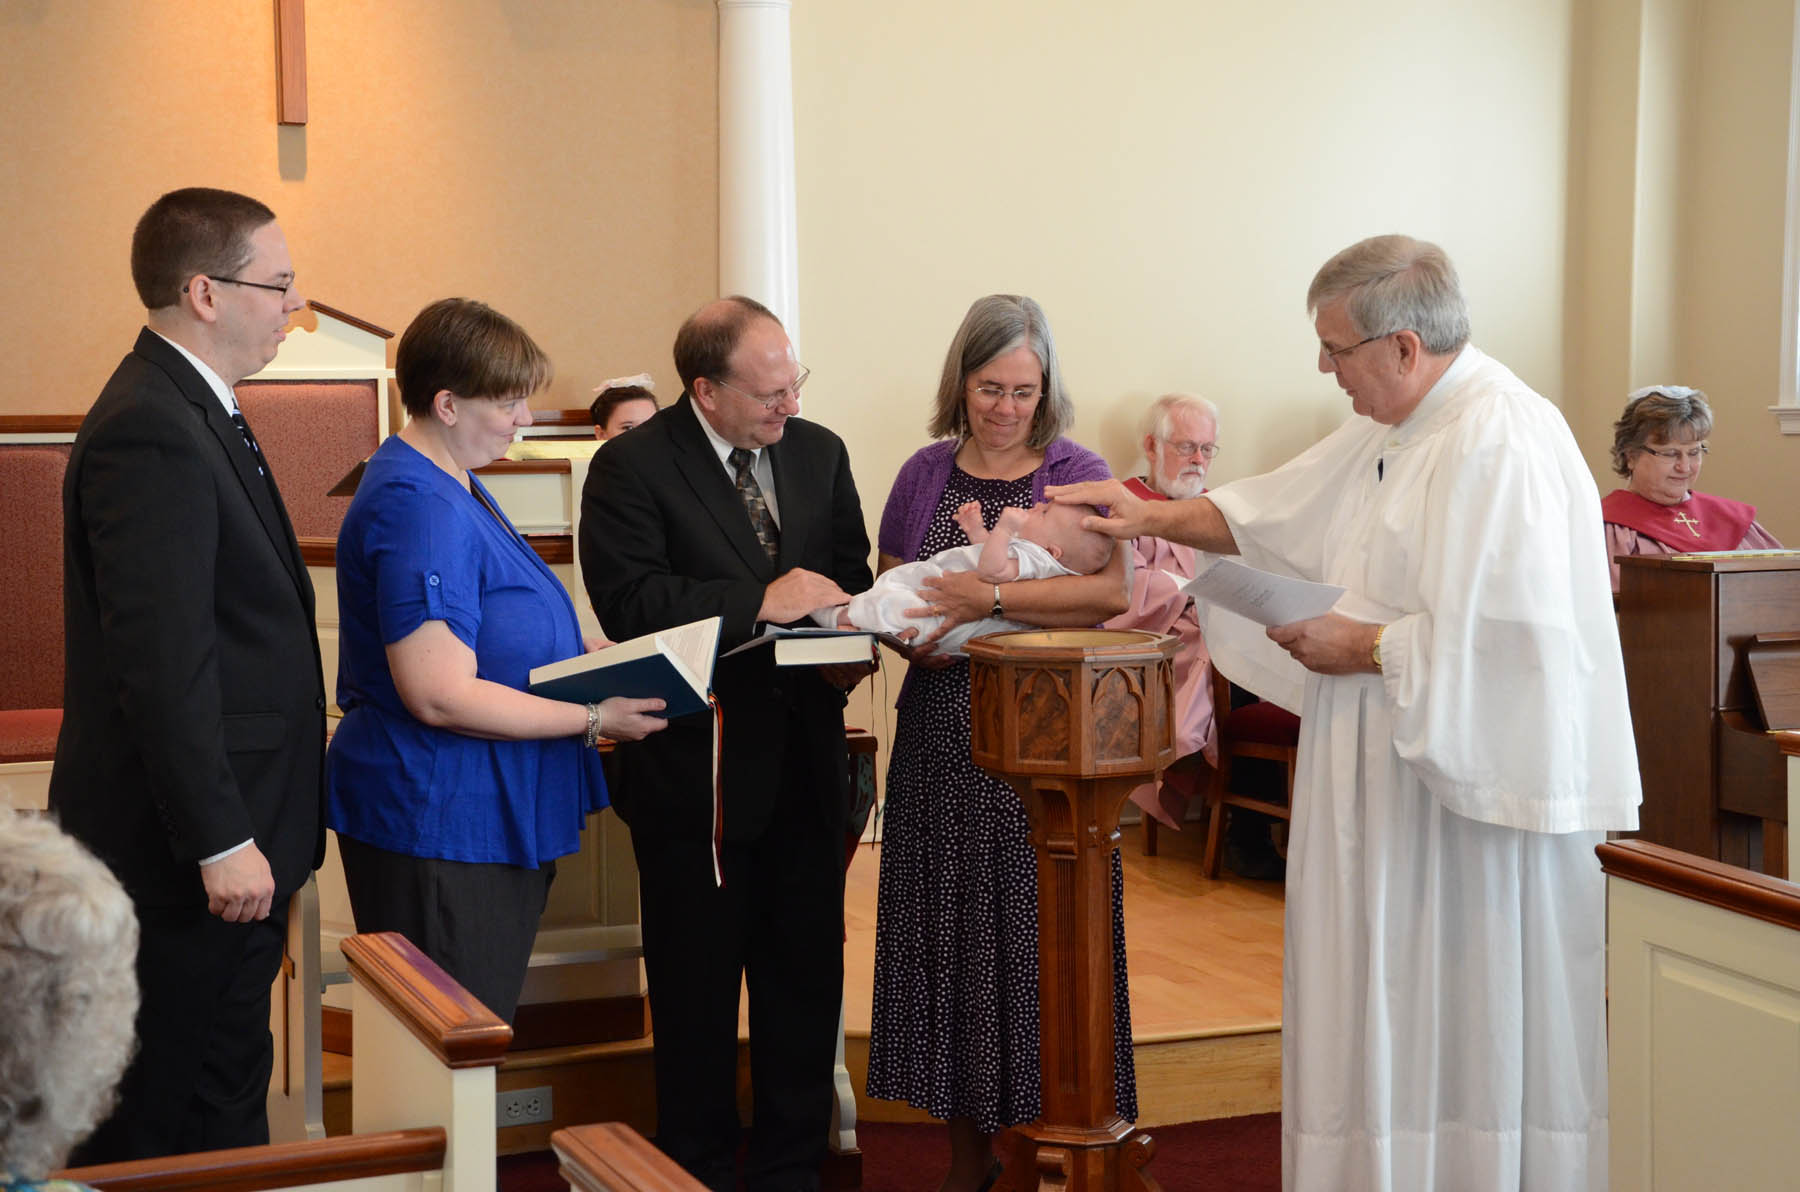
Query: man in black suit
x=192, y=744
x=726, y=504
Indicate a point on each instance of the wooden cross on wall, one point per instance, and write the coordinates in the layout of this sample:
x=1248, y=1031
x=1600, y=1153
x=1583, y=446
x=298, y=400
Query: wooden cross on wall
x=290, y=61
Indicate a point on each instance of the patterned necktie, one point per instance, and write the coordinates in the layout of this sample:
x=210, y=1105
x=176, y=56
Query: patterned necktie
x=237, y=417
x=761, y=520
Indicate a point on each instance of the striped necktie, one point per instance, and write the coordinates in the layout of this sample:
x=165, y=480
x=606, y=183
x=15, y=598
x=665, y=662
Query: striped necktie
x=237, y=418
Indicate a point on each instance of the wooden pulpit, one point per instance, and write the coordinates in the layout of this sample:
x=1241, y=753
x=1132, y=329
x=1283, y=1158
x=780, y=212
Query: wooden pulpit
x=1074, y=719
x=1714, y=780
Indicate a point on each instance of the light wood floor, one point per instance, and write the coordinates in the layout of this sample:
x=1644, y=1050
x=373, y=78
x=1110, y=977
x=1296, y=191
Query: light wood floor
x=1205, y=964
x=1204, y=957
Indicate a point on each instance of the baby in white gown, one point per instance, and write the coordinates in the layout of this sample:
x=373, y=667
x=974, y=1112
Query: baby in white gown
x=1038, y=543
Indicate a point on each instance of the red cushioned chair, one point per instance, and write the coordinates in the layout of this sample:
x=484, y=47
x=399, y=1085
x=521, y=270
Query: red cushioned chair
x=313, y=431
x=31, y=647
x=1261, y=730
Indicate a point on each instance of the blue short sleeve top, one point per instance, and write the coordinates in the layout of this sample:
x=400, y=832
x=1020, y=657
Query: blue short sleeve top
x=416, y=546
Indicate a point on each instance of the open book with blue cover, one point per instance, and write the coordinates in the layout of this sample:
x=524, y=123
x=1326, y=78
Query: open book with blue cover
x=674, y=665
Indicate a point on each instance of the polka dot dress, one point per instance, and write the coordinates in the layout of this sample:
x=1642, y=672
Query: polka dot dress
x=955, y=1028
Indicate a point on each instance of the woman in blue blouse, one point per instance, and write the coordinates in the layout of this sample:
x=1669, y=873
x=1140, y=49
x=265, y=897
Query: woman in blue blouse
x=451, y=789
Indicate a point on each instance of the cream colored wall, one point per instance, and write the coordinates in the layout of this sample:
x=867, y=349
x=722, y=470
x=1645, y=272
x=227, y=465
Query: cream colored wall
x=556, y=160
x=1165, y=177
x=1680, y=206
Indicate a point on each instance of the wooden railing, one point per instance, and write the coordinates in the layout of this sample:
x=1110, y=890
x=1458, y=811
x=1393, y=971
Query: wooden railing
x=612, y=1157
x=1729, y=887
x=426, y=1054
x=283, y=1165
x=441, y=1014
x=40, y=424
x=1703, y=989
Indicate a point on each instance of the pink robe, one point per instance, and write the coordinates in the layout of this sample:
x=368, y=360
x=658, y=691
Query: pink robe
x=1159, y=605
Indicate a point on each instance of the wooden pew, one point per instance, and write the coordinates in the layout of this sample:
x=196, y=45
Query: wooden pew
x=34, y=453
x=424, y=1105
x=388, y=1162
x=612, y=1157
x=1703, y=981
x=1713, y=780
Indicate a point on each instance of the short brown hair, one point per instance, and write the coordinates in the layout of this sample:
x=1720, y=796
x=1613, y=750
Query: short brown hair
x=1667, y=412
x=704, y=345
x=469, y=348
x=196, y=230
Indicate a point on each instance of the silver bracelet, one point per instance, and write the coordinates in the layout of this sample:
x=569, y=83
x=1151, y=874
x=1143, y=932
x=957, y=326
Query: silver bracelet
x=593, y=726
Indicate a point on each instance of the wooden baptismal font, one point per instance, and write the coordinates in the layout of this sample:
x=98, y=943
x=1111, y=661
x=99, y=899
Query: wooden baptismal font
x=1074, y=719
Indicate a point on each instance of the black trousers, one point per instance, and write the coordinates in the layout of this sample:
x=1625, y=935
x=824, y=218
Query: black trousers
x=200, y=1078
x=777, y=925
x=477, y=921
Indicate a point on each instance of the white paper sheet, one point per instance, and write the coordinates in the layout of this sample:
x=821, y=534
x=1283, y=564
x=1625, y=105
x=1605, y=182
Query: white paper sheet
x=1262, y=596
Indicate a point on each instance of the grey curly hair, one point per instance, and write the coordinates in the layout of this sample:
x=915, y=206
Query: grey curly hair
x=68, y=953
x=1396, y=283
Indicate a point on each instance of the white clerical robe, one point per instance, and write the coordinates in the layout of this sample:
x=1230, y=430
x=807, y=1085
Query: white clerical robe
x=1443, y=1022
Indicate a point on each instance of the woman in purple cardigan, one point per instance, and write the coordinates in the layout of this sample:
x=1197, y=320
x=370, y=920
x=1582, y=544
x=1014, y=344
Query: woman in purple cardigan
x=955, y=1028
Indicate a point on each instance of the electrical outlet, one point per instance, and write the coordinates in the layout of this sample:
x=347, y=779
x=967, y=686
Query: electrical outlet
x=522, y=1107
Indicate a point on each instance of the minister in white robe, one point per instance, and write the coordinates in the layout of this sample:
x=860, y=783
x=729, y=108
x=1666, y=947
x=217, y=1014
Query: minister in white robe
x=1466, y=743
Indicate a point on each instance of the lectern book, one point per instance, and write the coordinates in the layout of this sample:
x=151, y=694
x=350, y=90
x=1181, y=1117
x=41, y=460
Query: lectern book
x=674, y=665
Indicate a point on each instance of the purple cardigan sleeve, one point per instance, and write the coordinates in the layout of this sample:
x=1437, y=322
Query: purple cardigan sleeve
x=1068, y=462
x=921, y=481
x=911, y=501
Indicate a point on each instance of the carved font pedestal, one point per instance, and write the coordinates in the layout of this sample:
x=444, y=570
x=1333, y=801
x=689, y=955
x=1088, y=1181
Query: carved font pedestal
x=1074, y=719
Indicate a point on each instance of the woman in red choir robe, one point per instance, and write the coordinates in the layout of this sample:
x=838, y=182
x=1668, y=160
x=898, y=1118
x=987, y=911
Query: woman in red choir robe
x=1659, y=444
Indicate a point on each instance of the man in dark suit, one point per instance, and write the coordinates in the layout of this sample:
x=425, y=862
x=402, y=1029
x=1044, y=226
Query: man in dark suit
x=192, y=743
x=727, y=504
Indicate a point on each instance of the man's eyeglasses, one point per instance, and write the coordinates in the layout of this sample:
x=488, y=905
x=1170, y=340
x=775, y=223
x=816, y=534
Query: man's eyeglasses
x=768, y=401
x=1023, y=394
x=1692, y=454
x=1334, y=353
x=1187, y=449
x=260, y=285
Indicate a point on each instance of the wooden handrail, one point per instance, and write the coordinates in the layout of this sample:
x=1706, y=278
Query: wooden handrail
x=40, y=424
x=342, y=317
x=578, y=419
x=1734, y=889
x=281, y=1165
x=551, y=548
x=524, y=467
x=443, y=1015
x=1788, y=741
x=612, y=1157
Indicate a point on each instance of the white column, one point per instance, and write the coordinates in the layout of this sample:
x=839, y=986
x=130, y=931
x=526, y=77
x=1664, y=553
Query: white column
x=759, y=246
x=758, y=241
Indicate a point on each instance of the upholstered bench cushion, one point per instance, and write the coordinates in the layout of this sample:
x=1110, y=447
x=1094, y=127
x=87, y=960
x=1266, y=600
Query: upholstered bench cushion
x=29, y=734
x=1265, y=723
